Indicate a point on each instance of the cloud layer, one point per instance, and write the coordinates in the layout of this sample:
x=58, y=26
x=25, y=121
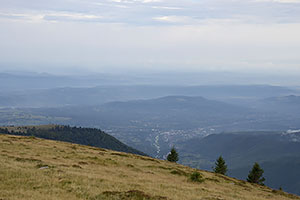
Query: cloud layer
x=171, y=34
x=153, y=12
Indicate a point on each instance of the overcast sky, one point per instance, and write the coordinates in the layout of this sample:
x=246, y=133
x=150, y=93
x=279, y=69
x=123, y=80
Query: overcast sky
x=186, y=35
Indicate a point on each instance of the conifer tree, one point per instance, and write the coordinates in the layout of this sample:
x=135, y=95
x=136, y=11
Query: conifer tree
x=255, y=175
x=220, y=166
x=173, y=155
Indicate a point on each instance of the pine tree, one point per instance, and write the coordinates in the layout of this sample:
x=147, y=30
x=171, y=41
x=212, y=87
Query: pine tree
x=255, y=175
x=173, y=155
x=220, y=166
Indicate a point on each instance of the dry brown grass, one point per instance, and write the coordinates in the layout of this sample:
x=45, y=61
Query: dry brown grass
x=32, y=168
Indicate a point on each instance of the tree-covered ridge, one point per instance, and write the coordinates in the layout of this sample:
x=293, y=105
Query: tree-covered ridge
x=85, y=136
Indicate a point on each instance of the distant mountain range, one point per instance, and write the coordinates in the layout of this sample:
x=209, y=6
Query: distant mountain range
x=284, y=104
x=291, y=100
x=152, y=125
x=180, y=108
x=38, y=91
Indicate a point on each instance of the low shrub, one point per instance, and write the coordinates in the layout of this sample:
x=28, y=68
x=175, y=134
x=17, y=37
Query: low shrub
x=196, y=177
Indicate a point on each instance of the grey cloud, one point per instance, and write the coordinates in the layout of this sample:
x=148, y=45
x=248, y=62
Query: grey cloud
x=139, y=12
x=244, y=34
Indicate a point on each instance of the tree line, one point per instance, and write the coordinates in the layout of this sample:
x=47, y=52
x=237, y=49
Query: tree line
x=255, y=174
x=79, y=135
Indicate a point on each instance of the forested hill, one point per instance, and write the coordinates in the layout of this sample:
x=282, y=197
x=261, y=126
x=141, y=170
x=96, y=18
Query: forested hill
x=85, y=136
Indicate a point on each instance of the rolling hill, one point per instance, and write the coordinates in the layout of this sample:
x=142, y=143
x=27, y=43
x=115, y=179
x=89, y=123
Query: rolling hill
x=84, y=136
x=33, y=168
x=288, y=105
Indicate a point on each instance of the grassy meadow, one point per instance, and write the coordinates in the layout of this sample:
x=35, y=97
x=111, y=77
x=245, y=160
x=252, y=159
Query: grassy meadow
x=37, y=169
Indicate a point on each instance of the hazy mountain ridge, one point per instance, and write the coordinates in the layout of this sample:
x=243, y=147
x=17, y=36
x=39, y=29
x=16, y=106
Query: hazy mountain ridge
x=291, y=99
x=140, y=123
x=185, y=104
x=149, y=124
x=284, y=104
x=59, y=93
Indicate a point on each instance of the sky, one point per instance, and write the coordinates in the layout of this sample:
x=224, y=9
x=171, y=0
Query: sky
x=260, y=36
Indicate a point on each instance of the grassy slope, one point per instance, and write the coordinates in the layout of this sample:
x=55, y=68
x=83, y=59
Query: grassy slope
x=32, y=168
x=77, y=135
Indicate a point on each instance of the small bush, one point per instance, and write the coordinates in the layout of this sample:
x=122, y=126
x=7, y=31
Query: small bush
x=196, y=177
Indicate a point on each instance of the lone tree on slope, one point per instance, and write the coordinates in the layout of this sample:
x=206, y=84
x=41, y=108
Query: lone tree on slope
x=255, y=175
x=173, y=155
x=220, y=166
